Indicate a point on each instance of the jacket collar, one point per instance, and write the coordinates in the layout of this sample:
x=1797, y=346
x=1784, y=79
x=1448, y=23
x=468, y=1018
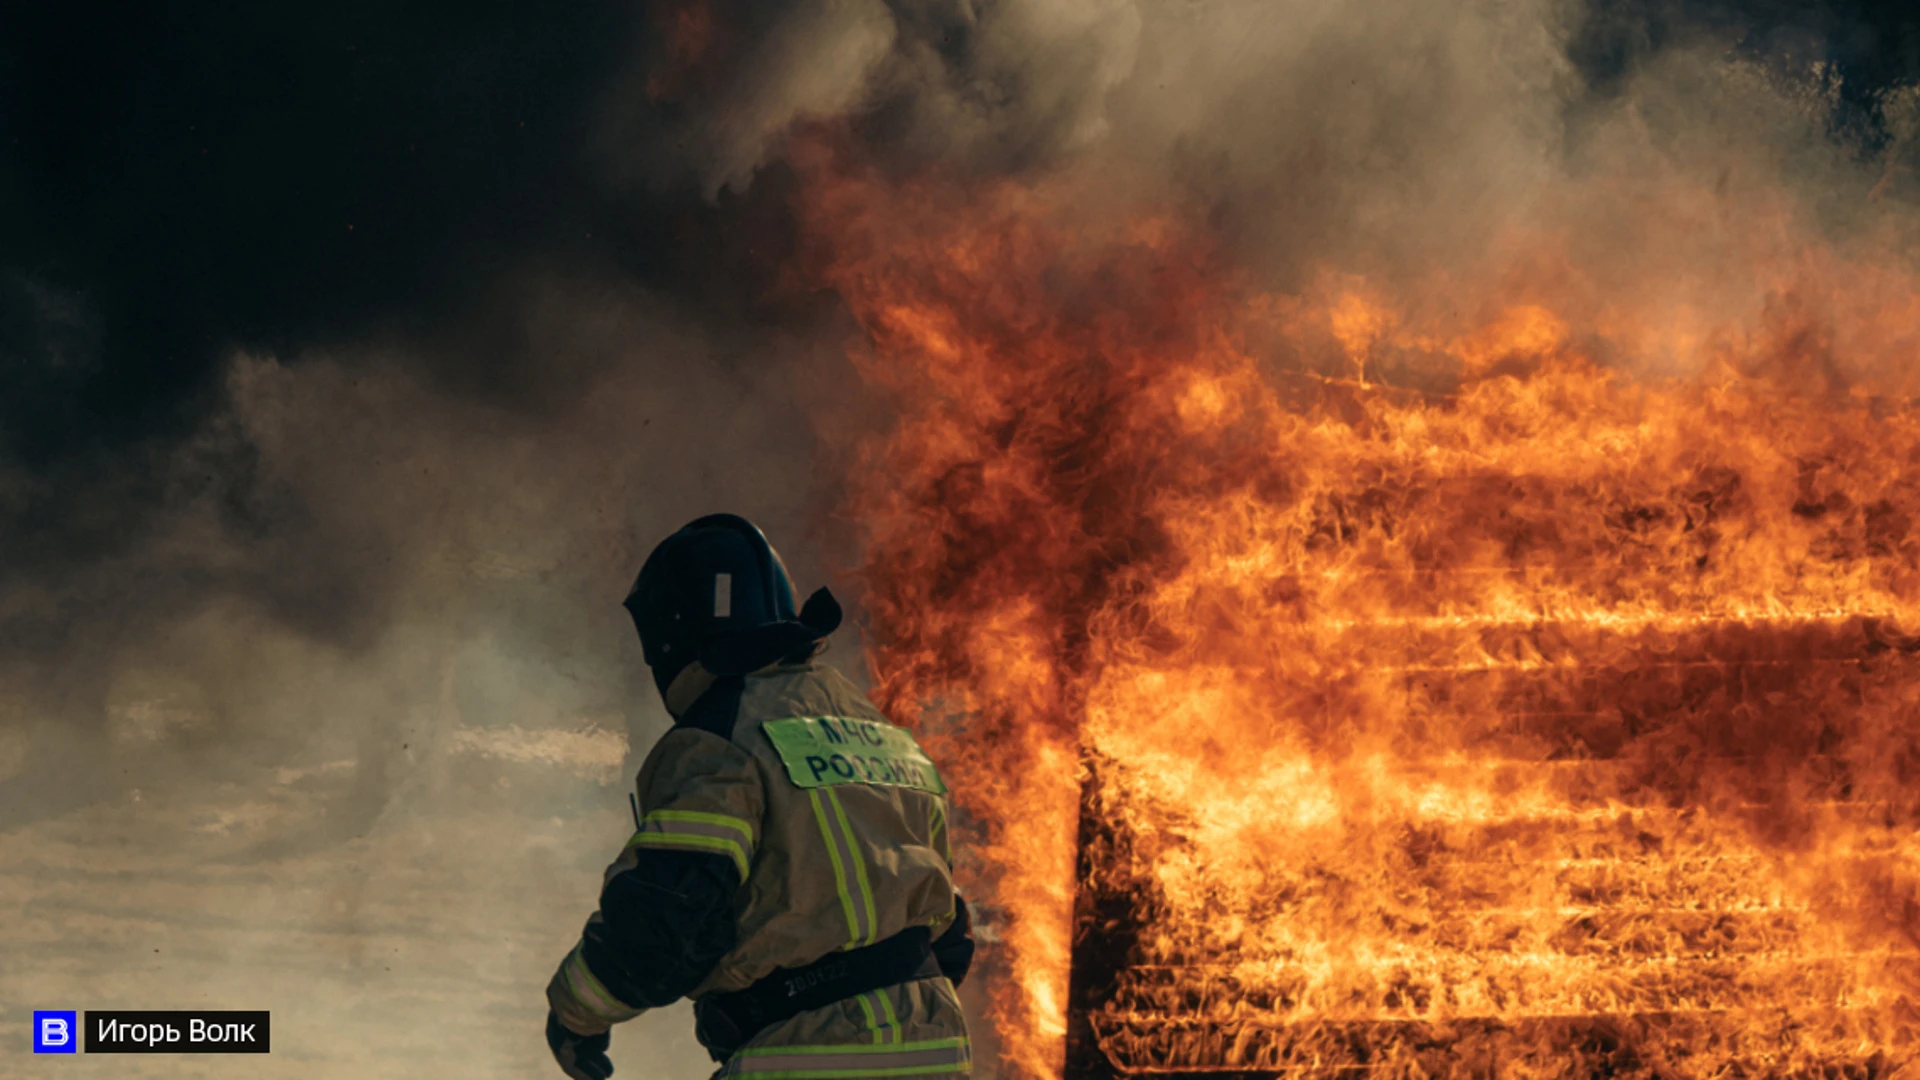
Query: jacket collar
x=686, y=688
x=695, y=680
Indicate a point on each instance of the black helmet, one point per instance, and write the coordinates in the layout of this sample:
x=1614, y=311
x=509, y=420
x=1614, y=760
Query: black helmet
x=717, y=592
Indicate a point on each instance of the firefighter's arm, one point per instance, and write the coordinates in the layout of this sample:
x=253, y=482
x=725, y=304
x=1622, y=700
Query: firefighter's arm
x=953, y=949
x=953, y=937
x=666, y=911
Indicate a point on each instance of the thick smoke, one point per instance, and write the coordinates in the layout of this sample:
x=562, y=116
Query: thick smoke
x=1667, y=164
x=351, y=358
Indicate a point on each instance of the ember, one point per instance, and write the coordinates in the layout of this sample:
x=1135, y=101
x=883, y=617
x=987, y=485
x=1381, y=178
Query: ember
x=1336, y=691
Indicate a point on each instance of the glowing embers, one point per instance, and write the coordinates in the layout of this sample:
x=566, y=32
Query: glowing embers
x=1662, y=862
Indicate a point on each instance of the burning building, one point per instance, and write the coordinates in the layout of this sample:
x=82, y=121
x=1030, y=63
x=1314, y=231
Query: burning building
x=1333, y=689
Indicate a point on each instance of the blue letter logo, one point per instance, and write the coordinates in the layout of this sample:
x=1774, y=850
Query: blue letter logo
x=54, y=1032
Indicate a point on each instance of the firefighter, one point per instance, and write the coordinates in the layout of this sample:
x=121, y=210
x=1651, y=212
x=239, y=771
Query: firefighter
x=791, y=872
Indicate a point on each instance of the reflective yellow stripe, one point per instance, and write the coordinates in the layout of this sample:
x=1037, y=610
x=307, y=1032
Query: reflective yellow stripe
x=729, y=848
x=853, y=1072
x=939, y=831
x=893, y=1021
x=701, y=817
x=700, y=831
x=586, y=989
x=873, y=1022
x=948, y=1043
x=859, y=866
x=839, y=869
x=824, y=1062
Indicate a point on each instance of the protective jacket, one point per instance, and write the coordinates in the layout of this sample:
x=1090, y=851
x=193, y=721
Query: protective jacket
x=783, y=822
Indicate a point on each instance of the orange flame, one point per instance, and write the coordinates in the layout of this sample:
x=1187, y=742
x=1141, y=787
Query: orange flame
x=1437, y=674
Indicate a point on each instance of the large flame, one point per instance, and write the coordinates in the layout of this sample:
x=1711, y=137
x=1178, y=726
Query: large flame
x=1440, y=682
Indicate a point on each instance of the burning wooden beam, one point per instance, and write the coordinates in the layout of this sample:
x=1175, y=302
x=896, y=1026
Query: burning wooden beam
x=1638, y=923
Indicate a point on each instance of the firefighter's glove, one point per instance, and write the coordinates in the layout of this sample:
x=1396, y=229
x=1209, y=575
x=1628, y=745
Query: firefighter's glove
x=583, y=1057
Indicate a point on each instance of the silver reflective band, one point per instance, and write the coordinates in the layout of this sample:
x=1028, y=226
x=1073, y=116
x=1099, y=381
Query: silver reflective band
x=722, y=595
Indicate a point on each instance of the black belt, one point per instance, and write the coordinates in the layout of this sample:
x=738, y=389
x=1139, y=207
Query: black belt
x=725, y=1022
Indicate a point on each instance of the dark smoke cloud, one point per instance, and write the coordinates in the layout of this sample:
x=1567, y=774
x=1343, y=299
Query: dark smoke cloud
x=1872, y=46
x=181, y=182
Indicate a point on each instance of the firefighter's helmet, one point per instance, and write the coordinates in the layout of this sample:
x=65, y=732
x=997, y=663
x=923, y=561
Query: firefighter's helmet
x=717, y=592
